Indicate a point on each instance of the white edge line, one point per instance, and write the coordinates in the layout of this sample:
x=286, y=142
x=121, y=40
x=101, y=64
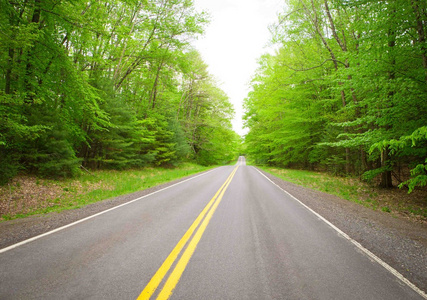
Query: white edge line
x=95, y=215
x=357, y=244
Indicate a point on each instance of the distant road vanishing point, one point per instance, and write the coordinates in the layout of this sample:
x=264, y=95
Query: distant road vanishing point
x=229, y=233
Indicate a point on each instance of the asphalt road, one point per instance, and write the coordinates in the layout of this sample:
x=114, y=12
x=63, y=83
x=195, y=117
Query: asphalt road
x=227, y=234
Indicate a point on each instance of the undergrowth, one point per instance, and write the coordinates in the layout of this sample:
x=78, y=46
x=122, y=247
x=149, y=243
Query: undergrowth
x=395, y=201
x=27, y=195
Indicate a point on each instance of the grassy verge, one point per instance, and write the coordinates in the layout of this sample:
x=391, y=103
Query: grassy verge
x=26, y=196
x=395, y=201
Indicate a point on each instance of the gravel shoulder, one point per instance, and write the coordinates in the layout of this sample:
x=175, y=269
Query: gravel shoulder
x=15, y=231
x=400, y=242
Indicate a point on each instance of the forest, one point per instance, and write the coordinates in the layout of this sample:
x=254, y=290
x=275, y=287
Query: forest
x=107, y=85
x=345, y=91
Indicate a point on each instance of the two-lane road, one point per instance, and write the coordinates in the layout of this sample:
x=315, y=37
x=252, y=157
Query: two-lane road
x=226, y=234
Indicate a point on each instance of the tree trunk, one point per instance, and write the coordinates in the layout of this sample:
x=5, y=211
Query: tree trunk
x=421, y=35
x=363, y=158
x=386, y=181
x=29, y=69
x=8, y=78
x=315, y=22
x=153, y=96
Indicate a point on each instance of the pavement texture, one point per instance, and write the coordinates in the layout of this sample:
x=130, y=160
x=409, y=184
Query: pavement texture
x=260, y=243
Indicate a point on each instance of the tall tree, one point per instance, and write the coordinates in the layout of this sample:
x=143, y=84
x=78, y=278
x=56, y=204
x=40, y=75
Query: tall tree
x=98, y=84
x=359, y=67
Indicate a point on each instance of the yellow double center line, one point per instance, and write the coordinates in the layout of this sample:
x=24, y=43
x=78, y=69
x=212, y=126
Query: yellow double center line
x=174, y=277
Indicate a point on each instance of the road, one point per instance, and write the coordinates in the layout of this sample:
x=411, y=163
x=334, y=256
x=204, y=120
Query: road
x=226, y=234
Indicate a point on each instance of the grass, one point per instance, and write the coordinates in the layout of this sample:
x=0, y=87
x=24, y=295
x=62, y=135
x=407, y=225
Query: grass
x=394, y=201
x=26, y=195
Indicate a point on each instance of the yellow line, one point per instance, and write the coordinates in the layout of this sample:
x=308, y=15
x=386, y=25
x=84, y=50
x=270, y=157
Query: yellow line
x=164, y=268
x=185, y=258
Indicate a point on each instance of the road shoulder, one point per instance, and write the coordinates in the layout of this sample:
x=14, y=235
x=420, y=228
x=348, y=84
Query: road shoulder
x=18, y=230
x=399, y=242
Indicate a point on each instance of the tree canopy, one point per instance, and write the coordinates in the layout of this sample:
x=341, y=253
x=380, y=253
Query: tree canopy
x=111, y=84
x=345, y=91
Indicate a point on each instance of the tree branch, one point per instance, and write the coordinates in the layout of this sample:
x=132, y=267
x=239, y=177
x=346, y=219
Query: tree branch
x=315, y=67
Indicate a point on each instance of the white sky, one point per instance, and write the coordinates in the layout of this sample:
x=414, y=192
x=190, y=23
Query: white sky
x=233, y=41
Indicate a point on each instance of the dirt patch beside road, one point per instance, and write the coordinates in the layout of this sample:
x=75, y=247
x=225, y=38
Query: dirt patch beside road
x=400, y=242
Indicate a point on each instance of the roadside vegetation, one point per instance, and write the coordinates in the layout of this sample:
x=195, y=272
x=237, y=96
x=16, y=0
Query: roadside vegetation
x=29, y=195
x=107, y=86
x=345, y=91
x=395, y=201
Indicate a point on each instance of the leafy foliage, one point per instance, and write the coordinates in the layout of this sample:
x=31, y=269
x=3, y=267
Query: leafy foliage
x=103, y=85
x=345, y=91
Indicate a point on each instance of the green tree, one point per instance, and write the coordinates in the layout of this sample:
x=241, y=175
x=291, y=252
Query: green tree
x=103, y=85
x=346, y=90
